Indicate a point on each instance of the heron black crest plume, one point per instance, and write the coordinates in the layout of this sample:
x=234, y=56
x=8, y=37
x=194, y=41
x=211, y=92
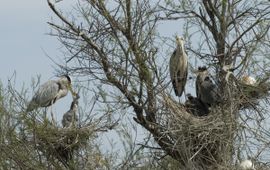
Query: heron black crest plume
x=69, y=79
x=203, y=68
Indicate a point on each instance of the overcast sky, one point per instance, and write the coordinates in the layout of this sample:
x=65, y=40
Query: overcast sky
x=22, y=32
x=23, y=39
x=24, y=44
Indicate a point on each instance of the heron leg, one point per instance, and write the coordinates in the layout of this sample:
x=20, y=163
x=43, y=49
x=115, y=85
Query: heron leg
x=45, y=114
x=185, y=94
x=53, y=120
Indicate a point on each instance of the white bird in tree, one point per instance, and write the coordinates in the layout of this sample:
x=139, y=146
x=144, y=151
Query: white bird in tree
x=248, y=80
x=179, y=67
x=50, y=92
x=247, y=165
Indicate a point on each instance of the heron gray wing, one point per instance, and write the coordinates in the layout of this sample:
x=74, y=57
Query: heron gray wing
x=173, y=68
x=197, y=87
x=47, y=92
x=209, y=92
x=173, y=65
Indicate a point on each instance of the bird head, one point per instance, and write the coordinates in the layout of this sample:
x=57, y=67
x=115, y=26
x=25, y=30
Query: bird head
x=190, y=97
x=180, y=40
x=202, y=75
x=67, y=81
x=201, y=69
x=202, y=72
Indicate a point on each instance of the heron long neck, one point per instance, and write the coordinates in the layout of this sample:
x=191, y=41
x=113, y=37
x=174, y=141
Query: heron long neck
x=180, y=48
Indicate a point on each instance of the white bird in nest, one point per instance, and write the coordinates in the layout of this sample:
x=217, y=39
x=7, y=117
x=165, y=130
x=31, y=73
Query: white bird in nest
x=248, y=80
x=247, y=165
x=228, y=71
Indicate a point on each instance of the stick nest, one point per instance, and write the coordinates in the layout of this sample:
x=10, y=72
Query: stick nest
x=61, y=142
x=200, y=141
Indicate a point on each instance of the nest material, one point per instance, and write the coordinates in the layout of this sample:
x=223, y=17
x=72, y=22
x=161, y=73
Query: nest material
x=202, y=142
x=61, y=142
x=250, y=94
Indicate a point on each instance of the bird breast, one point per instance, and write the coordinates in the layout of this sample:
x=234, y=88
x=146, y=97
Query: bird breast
x=62, y=93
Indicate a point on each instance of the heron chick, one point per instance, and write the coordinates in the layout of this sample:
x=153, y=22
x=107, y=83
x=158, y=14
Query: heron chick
x=179, y=67
x=195, y=106
x=206, y=90
x=49, y=92
x=70, y=117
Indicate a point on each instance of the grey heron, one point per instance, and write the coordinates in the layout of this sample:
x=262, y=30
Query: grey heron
x=70, y=117
x=206, y=90
x=179, y=67
x=196, y=106
x=50, y=92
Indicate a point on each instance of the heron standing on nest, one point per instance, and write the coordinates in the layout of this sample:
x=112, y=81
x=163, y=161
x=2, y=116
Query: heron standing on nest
x=206, y=90
x=179, y=67
x=50, y=92
x=70, y=117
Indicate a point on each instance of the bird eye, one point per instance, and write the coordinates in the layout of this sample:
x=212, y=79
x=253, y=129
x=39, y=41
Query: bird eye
x=207, y=78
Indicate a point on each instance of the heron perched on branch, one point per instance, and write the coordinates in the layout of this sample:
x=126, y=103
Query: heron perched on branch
x=50, y=92
x=179, y=67
x=206, y=90
x=70, y=117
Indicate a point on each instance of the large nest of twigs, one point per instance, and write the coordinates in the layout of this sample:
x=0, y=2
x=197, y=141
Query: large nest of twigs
x=201, y=142
x=61, y=142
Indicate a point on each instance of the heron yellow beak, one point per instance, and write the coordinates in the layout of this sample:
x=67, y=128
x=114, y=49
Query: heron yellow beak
x=71, y=90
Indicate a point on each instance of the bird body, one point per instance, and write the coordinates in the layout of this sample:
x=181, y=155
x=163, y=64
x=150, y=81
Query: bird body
x=202, y=74
x=179, y=67
x=247, y=165
x=209, y=93
x=248, y=80
x=206, y=90
x=49, y=93
x=196, y=106
x=70, y=116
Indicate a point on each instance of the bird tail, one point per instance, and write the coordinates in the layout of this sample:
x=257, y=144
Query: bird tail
x=31, y=106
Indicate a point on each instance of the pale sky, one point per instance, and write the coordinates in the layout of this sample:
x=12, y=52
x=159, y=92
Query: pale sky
x=24, y=43
x=22, y=32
